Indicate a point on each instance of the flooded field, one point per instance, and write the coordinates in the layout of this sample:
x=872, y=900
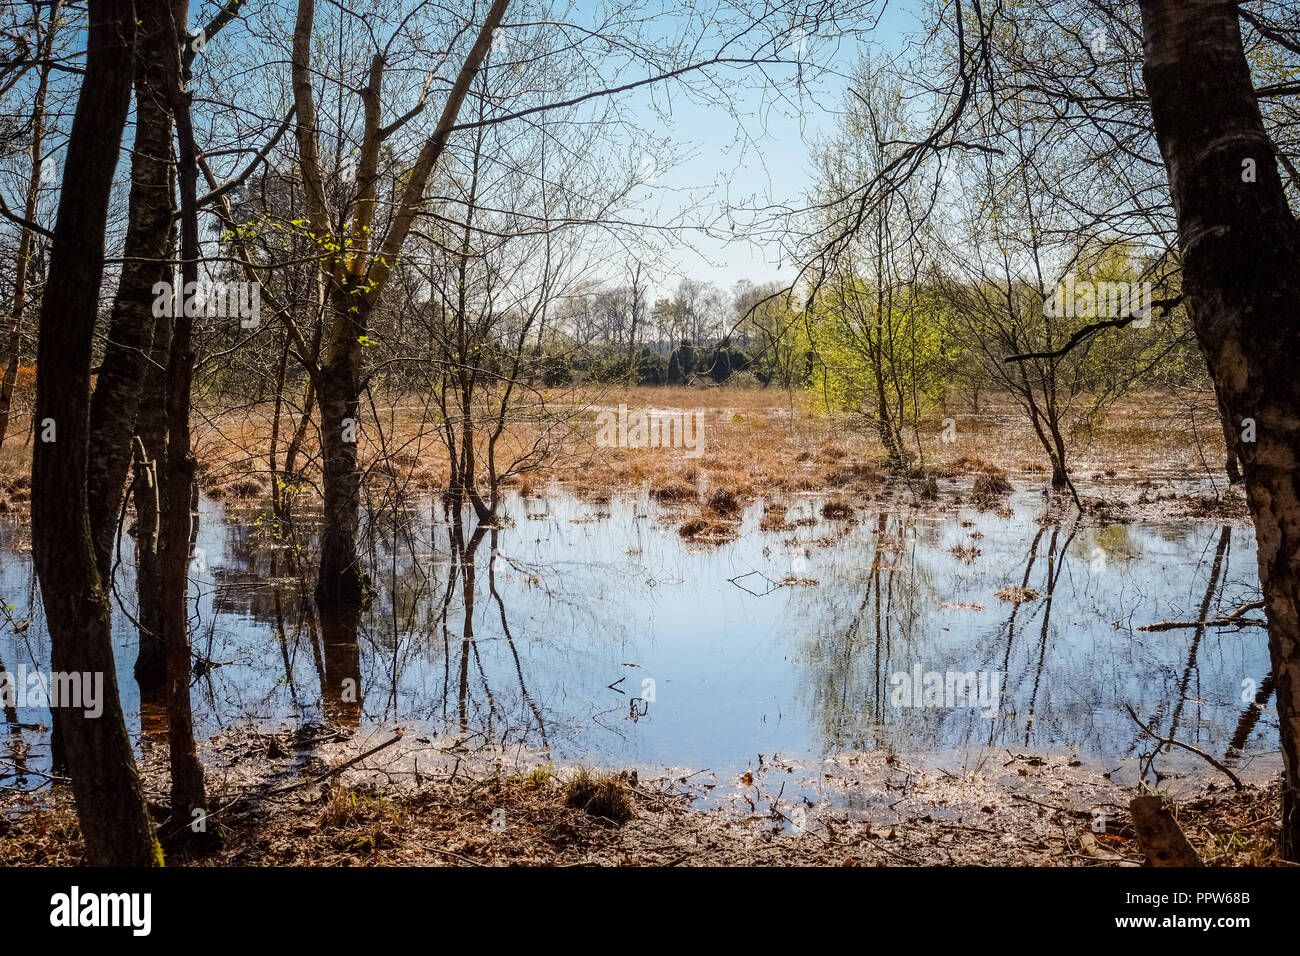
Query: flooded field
x=596, y=633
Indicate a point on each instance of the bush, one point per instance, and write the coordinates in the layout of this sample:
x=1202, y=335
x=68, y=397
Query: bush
x=687, y=359
x=557, y=370
x=726, y=361
x=675, y=374
x=651, y=369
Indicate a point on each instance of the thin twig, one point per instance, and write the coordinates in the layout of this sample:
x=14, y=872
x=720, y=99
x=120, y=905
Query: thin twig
x=1236, y=782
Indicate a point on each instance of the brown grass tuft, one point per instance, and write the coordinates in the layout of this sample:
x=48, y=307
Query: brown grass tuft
x=989, y=485
x=723, y=502
x=603, y=796
x=673, y=489
x=836, y=510
x=774, y=518
x=702, y=529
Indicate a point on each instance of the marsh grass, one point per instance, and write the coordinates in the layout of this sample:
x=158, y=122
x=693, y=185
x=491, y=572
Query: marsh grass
x=601, y=795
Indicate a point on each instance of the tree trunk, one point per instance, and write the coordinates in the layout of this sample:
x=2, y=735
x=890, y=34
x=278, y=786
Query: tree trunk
x=1060, y=468
x=110, y=805
x=24, y=258
x=188, y=799
x=1230, y=466
x=1241, y=283
x=885, y=427
x=146, y=492
x=116, y=401
x=340, y=581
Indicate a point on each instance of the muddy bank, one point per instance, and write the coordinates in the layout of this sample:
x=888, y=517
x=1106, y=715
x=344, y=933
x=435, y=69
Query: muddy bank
x=304, y=799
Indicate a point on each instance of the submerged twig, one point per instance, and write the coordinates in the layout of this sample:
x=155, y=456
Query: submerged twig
x=1236, y=781
x=1234, y=619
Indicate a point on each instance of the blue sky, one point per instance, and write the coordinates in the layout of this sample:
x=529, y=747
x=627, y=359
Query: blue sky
x=774, y=166
x=745, y=159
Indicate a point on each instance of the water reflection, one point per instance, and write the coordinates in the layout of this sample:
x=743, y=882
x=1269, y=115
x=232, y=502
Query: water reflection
x=545, y=632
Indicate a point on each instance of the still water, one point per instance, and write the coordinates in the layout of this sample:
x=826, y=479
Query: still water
x=594, y=632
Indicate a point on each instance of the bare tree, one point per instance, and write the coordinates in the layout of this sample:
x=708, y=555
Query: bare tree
x=110, y=805
x=1102, y=72
x=43, y=43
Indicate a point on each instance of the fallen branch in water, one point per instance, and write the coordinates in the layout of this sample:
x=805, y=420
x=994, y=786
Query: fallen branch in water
x=1236, y=782
x=1234, y=619
x=250, y=797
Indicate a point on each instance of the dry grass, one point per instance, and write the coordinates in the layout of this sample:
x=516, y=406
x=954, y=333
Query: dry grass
x=837, y=510
x=674, y=490
x=604, y=796
x=707, y=532
x=754, y=442
x=770, y=441
x=537, y=819
x=723, y=502
x=775, y=517
x=988, y=485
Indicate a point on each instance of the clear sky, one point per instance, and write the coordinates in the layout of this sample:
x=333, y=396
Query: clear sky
x=770, y=162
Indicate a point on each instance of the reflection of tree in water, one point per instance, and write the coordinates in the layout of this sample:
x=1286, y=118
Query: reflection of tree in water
x=514, y=651
x=16, y=746
x=413, y=609
x=465, y=568
x=413, y=652
x=1246, y=724
x=479, y=642
x=965, y=726
x=896, y=619
x=1249, y=720
x=14, y=769
x=1054, y=570
x=849, y=664
x=1216, y=571
x=342, y=690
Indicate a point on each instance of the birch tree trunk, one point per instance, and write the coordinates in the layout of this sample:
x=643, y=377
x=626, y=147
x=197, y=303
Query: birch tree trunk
x=1241, y=286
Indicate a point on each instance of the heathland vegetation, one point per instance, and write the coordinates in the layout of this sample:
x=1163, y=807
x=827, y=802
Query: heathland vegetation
x=326, y=267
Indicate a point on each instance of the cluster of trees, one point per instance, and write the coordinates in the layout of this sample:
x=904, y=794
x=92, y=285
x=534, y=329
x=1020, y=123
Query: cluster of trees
x=426, y=196
x=415, y=196
x=1026, y=142
x=613, y=335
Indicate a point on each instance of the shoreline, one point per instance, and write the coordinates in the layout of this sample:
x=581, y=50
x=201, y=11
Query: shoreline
x=393, y=808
